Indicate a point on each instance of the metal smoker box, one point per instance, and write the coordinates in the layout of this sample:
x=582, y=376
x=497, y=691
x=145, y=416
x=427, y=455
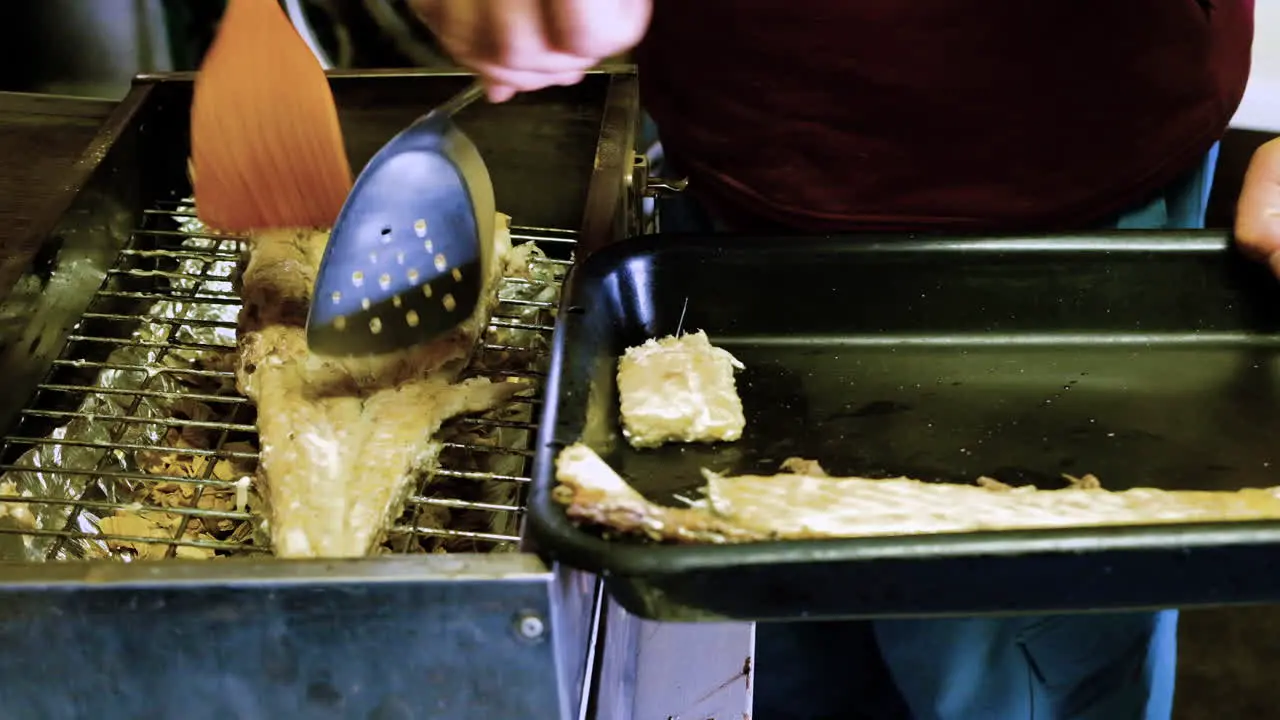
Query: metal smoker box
x=123, y=432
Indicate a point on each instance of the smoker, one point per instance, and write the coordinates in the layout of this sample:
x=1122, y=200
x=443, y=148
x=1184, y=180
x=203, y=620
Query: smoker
x=136, y=580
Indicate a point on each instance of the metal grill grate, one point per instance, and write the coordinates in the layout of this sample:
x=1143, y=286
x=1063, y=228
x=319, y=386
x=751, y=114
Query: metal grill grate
x=138, y=445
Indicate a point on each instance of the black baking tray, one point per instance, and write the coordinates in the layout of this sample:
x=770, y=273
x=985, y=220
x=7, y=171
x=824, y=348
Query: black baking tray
x=1148, y=359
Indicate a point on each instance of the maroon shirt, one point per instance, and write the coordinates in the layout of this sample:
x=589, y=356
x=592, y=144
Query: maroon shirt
x=915, y=114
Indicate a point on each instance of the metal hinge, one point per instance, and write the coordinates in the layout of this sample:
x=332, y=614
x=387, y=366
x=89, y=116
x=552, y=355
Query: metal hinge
x=642, y=187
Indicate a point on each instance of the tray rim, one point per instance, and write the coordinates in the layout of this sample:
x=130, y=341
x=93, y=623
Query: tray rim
x=550, y=532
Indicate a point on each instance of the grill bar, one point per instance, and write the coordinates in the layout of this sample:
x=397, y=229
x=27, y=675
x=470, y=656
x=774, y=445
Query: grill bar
x=198, y=452
x=111, y=475
x=138, y=434
x=53, y=387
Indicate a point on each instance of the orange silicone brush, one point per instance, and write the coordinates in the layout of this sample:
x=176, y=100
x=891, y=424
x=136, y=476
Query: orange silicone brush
x=266, y=147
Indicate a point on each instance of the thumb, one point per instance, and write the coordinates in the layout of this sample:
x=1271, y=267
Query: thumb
x=1258, y=210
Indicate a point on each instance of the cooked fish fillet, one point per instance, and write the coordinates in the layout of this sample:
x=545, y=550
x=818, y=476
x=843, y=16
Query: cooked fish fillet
x=803, y=502
x=341, y=438
x=679, y=389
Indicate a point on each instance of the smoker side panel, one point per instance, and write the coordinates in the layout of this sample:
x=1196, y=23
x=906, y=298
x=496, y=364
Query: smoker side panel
x=61, y=259
x=468, y=639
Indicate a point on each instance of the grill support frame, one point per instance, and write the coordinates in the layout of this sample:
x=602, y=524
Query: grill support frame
x=146, y=412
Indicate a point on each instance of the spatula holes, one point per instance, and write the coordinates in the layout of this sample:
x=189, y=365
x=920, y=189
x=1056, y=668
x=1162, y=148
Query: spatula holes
x=365, y=303
x=399, y=258
x=336, y=297
x=420, y=229
x=426, y=291
x=340, y=323
x=429, y=246
x=396, y=301
x=441, y=262
x=457, y=275
x=375, y=325
x=386, y=234
x=384, y=281
x=357, y=278
x=412, y=274
x=411, y=319
x=448, y=302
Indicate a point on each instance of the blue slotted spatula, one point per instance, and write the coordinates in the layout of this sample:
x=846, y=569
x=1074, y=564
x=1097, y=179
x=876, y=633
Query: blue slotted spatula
x=409, y=253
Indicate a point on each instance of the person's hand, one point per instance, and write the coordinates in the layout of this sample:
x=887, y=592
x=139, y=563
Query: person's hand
x=522, y=45
x=1258, y=212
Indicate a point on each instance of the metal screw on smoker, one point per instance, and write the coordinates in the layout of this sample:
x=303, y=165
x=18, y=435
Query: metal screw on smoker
x=529, y=626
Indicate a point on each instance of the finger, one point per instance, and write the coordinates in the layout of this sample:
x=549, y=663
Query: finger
x=513, y=35
x=524, y=80
x=455, y=24
x=1258, y=210
x=506, y=29
x=543, y=61
x=596, y=28
x=499, y=93
x=498, y=33
x=494, y=32
x=568, y=79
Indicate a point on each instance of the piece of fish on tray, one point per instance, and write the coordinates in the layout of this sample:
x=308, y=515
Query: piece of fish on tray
x=341, y=439
x=679, y=389
x=803, y=502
